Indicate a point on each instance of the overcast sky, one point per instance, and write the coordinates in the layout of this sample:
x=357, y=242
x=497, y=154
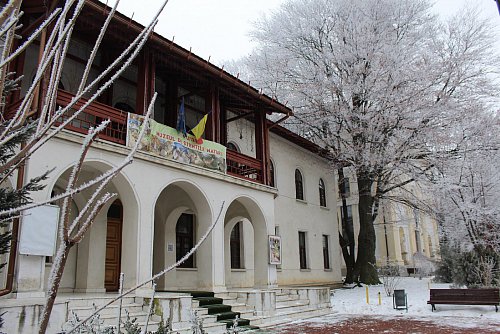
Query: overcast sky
x=219, y=28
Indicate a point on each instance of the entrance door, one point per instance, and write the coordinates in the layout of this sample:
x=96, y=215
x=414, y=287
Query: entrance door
x=113, y=247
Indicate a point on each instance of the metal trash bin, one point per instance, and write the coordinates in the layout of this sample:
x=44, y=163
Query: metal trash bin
x=400, y=300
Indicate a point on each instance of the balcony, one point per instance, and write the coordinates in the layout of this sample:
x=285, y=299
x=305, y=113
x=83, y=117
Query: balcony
x=94, y=114
x=244, y=166
x=238, y=165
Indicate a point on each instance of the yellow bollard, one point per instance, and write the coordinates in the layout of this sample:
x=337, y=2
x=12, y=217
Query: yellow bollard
x=379, y=299
x=367, y=296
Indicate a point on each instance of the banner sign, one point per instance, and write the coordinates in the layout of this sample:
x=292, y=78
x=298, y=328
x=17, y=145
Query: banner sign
x=167, y=142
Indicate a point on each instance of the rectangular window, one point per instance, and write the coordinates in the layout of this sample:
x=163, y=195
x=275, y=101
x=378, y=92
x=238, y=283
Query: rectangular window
x=235, y=247
x=326, y=253
x=185, y=239
x=277, y=233
x=302, y=250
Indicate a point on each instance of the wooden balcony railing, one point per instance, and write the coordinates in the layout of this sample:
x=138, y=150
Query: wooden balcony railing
x=93, y=115
x=244, y=166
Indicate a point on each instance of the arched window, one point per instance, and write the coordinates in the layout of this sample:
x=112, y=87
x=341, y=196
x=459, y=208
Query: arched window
x=232, y=147
x=184, y=238
x=271, y=174
x=235, y=246
x=299, y=185
x=322, y=193
x=233, y=166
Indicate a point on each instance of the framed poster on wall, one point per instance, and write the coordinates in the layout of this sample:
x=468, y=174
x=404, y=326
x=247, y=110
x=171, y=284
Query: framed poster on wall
x=274, y=249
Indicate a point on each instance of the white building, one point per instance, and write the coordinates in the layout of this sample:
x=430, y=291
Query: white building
x=270, y=182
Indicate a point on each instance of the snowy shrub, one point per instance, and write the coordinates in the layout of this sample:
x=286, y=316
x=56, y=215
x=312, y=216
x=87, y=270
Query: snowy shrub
x=391, y=277
x=475, y=268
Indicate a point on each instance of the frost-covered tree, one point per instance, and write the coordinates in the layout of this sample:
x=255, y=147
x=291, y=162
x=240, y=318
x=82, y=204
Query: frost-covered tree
x=36, y=120
x=377, y=83
x=467, y=189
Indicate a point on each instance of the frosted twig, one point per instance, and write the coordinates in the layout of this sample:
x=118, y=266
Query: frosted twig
x=31, y=38
x=150, y=309
x=98, y=42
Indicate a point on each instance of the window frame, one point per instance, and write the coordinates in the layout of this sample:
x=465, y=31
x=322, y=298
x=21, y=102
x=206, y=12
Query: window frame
x=272, y=175
x=326, y=251
x=185, y=241
x=303, y=263
x=299, y=185
x=322, y=193
x=235, y=246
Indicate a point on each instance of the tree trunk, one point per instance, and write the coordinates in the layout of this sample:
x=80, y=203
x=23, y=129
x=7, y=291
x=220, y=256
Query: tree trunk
x=348, y=258
x=365, y=269
x=346, y=238
x=56, y=272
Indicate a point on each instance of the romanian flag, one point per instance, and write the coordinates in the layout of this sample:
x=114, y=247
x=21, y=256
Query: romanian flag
x=198, y=130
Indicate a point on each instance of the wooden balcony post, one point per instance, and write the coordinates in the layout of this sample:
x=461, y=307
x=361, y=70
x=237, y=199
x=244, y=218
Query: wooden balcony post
x=215, y=123
x=145, y=82
x=262, y=144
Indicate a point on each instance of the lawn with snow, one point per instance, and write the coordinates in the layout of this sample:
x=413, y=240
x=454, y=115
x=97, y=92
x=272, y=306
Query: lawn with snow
x=347, y=303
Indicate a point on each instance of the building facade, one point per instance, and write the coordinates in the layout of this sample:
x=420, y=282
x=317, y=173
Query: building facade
x=269, y=183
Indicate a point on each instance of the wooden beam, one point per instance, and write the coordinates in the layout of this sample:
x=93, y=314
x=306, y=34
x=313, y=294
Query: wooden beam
x=239, y=116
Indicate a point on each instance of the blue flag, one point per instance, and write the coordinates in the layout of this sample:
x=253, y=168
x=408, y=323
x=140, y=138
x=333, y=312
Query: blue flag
x=181, y=119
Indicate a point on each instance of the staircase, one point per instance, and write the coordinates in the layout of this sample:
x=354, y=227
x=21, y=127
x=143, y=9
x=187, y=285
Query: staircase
x=84, y=306
x=215, y=310
x=290, y=306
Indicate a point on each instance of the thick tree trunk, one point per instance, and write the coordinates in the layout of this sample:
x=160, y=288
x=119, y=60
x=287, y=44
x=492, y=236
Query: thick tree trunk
x=348, y=258
x=346, y=238
x=365, y=269
x=56, y=273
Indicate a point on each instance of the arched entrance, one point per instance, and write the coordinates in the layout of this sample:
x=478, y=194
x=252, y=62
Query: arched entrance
x=245, y=245
x=113, y=247
x=182, y=216
x=88, y=267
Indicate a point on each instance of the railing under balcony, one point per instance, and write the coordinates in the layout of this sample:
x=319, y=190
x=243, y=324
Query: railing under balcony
x=244, y=166
x=93, y=115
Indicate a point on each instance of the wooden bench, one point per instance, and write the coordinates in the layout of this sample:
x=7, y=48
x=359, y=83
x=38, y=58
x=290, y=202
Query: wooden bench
x=465, y=297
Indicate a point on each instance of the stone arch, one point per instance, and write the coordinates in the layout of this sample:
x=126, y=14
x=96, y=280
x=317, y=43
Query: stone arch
x=89, y=261
x=176, y=198
x=244, y=276
x=244, y=208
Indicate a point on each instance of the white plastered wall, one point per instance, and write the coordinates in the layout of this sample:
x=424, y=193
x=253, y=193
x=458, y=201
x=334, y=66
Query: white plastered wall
x=308, y=216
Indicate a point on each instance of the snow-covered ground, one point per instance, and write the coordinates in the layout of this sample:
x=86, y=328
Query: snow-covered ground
x=348, y=303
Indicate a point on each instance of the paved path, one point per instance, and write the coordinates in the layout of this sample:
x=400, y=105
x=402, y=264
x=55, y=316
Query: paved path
x=373, y=324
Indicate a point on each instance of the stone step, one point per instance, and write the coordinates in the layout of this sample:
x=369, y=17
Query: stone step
x=285, y=297
x=99, y=301
x=229, y=315
x=85, y=311
x=219, y=308
x=208, y=318
x=216, y=327
x=291, y=303
x=286, y=317
x=203, y=301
